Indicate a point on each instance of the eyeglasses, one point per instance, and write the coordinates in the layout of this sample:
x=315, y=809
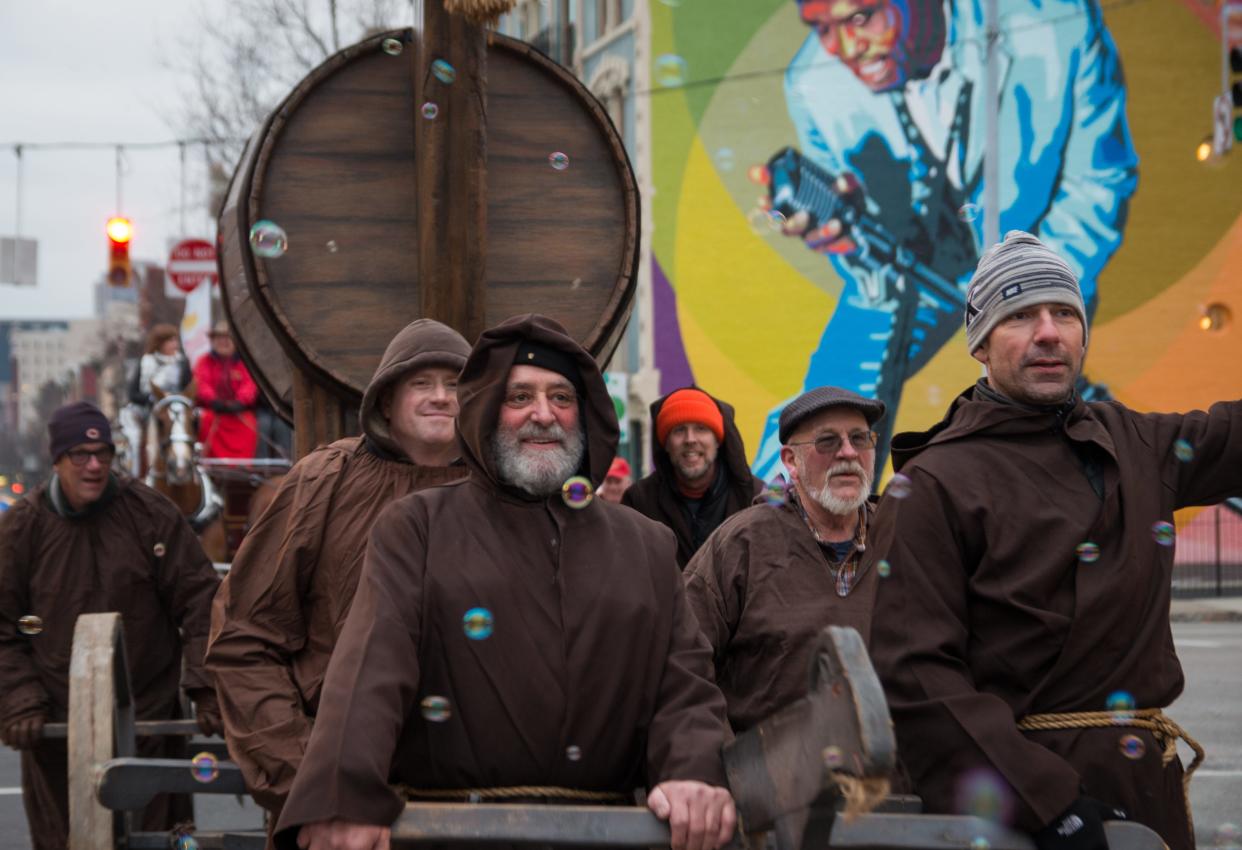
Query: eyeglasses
x=830, y=444
x=80, y=457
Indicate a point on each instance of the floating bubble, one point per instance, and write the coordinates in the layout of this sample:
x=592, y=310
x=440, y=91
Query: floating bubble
x=774, y=494
x=899, y=486
x=1216, y=317
x=332, y=246
x=444, y=72
x=1132, y=746
x=672, y=4
x=1088, y=553
x=1163, y=533
x=969, y=212
x=934, y=394
x=268, y=239
x=430, y=111
x=392, y=46
x=436, y=709
x=980, y=843
x=834, y=757
x=204, y=768
x=576, y=283
x=186, y=841
x=577, y=492
x=884, y=568
x=1184, y=451
x=477, y=623
x=765, y=222
x=984, y=794
x=573, y=753
x=30, y=625
x=1228, y=836
x=725, y=159
x=559, y=161
x=670, y=70
x=1121, y=704
x=159, y=549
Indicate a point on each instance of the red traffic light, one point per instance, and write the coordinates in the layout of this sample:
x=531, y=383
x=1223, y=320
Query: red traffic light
x=120, y=230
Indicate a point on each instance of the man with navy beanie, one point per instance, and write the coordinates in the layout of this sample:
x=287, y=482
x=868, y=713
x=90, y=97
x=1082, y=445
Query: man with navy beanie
x=1022, y=632
x=92, y=540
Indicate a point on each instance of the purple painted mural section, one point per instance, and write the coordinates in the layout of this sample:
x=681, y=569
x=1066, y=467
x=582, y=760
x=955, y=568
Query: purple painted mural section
x=670, y=351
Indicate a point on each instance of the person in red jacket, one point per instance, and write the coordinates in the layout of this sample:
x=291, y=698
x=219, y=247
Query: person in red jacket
x=226, y=395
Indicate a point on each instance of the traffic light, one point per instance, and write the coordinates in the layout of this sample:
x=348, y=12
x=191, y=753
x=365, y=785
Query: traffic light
x=120, y=230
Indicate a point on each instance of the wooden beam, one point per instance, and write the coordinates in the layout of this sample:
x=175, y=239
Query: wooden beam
x=451, y=71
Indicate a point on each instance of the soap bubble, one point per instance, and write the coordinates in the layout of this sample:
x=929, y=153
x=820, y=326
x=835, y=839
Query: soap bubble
x=436, y=709
x=670, y=70
x=477, y=623
x=430, y=110
x=30, y=625
x=884, y=568
x=969, y=212
x=159, y=549
x=1132, y=747
x=573, y=753
x=268, y=239
x=1088, y=553
x=1183, y=451
x=1163, y=533
x=1121, y=704
x=725, y=159
x=834, y=757
x=980, y=843
x=392, y=46
x=899, y=486
x=577, y=492
x=559, y=161
x=444, y=72
x=204, y=768
x=981, y=792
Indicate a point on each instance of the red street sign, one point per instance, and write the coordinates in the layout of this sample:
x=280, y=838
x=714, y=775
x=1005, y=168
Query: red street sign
x=192, y=262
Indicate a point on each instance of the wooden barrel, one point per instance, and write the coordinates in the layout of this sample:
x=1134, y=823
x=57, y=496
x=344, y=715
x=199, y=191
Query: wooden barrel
x=335, y=168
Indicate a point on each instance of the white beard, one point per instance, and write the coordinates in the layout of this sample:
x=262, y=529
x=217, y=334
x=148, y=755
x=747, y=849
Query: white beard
x=835, y=504
x=543, y=472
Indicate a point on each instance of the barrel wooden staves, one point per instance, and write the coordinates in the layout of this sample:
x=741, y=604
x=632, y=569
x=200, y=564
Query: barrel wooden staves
x=405, y=184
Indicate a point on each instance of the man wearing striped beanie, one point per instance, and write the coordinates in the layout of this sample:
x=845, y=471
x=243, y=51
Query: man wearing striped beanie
x=1022, y=632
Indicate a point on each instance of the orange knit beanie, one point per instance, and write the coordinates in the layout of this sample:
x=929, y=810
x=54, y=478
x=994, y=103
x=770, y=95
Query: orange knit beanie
x=689, y=405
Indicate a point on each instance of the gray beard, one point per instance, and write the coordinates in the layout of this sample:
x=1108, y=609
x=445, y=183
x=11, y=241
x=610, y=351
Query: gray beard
x=537, y=474
x=835, y=504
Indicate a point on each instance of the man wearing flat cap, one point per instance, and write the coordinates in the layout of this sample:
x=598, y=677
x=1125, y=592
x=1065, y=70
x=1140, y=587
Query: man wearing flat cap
x=701, y=476
x=773, y=575
x=1023, y=634
x=93, y=540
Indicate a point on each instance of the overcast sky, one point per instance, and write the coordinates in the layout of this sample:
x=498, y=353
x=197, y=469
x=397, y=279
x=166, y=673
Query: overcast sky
x=91, y=72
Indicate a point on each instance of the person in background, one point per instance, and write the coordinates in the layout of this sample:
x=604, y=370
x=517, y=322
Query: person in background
x=226, y=395
x=617, y=481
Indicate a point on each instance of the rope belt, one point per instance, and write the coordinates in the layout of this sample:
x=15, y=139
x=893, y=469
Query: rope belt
x=552, y=792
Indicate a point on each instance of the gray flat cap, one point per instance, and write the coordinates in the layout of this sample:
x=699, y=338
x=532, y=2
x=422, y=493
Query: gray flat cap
x=813, y=401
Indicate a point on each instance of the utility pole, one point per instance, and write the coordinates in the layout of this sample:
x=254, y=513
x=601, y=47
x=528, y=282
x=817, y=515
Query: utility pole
x=991, y=151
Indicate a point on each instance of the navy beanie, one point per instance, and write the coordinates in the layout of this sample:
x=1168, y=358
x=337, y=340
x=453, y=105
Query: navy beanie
x=74, y=424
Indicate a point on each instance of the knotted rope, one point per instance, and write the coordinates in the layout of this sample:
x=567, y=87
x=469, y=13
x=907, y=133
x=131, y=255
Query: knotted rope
x=552, y=792
x=480, y=12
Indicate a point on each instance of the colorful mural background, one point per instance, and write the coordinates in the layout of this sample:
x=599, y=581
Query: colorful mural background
x=741, y=308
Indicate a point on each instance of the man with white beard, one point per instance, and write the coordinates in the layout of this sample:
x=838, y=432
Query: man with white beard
x=513, y=637
x=772, y=576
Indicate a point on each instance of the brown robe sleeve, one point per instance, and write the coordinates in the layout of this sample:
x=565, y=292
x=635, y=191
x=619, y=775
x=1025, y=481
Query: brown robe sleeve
x=710, y=577
x=370, y=688
x=920, y=648
x=21, y=692
x=1213, y=470
x=689, y=726
x=258, y=625
x=187, y=582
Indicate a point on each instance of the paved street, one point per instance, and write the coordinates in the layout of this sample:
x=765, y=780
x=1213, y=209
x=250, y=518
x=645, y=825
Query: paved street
x=1210, y=710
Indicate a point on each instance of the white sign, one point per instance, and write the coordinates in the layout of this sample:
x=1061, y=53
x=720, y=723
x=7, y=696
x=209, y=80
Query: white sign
x=191, y=262
x=618, y=384
x=195, y=323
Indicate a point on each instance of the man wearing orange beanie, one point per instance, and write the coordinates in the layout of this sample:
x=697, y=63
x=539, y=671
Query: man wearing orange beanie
x=701, y=475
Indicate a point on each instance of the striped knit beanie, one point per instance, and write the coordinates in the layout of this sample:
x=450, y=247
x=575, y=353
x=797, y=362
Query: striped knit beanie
x=1017, y=273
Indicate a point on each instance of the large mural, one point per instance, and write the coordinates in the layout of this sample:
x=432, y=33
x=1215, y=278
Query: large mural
x=819, y=203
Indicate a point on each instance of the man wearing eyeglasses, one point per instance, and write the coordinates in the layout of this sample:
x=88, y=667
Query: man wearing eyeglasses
x=91, y=540
x=776, y=573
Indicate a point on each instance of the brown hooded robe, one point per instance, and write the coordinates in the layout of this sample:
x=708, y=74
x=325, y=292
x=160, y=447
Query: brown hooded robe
x=989, y=614
x=279, y=612
x=592, y=675
x=134, y=553
x=657, y=496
